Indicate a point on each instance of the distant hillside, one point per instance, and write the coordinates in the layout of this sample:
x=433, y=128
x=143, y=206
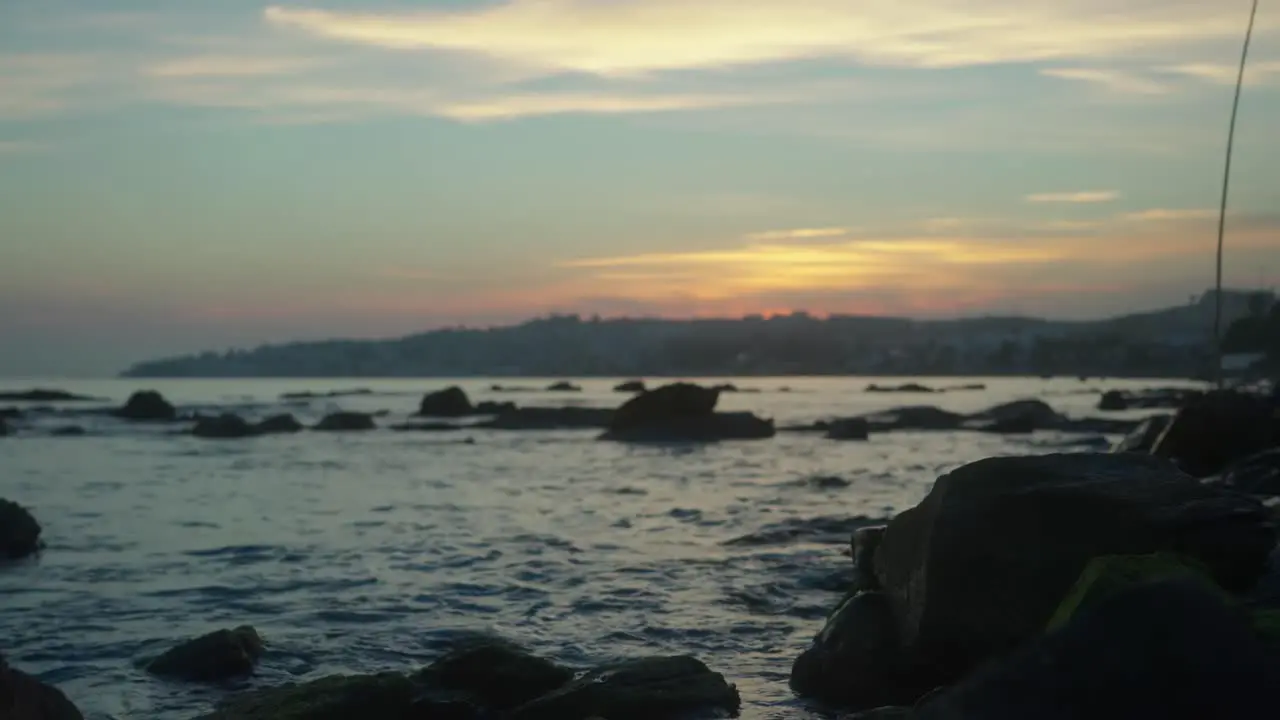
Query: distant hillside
x=1171, y=342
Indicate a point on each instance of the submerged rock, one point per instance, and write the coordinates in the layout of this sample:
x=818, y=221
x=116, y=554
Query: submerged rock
x=644, y=689
x=494, y=674
x=19, y=531
x=849, y=429
x=345, y=422
x=917, y=417
x=1170, y=649
x=563, y=386
x=905, y=388
x=450, y=402
x=220, y=655
x=147, y=406
x=68, y=431
x=224, y=427
x=1211, y=432
x=282, y=424
x=23, y=697
x=980, y=565
x=631, y=386
x=42, y=395
x=489, y=407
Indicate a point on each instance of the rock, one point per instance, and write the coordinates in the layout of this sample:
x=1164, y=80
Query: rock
x=824, y=482
x=283, y=424
x=308, y=395
x=225, y=426
x=1019, y=416
x=1143, y=437
x=450, y=402
x=220, y=655
x=1211, y=432
x=856, y=661
x=1257, y=474
x=68, y=431
x=426, y=427
x=863, y=545
x=630, y=386
x=849, y=429
x=543, y=418
x=654, y=407
x=346, y=421
x=644, y=689
x=23, y=697
x=1169, y=649
x=682, y=412
x=1113, y=400
x=980, y=565
x=19, y=531
x=495, y=674
x=42, y=395
x=489, y=407
x=1108, y=575
x=385, y=696
x=147, y=406
x=5, y=430
x=563, y=386
x=725, y=388
x=918, y=417
x=10, y=413
x=905, y=388
x=1102, y=426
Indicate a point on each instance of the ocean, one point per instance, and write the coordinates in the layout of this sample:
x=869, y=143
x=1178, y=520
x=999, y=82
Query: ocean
x=359, y=552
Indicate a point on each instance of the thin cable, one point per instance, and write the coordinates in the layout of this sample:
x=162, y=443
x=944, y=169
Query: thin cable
x=1226, y=184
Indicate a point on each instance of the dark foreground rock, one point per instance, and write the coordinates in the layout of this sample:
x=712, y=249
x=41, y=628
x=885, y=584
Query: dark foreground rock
x=346, y=422
x=645, y=689
x=42, y=395
x=630, y=386
x=849, y=429
x=1152, y=399
x=147, y=406
x=23, y=697
x=1257, y=474
x=494, y=674
x=450, y=402
x=220, y=655
x=338, y=697
x=1169, y=650
x=19, y=531
x=1208, y=434
x=980, y=565
x=683, y=412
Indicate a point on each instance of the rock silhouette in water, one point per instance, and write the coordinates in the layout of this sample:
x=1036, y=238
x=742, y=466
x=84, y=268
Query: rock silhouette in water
x=644, y=689
x=905, y=388
x=4, y=428
x=230, y=426
x=19, y=531
x=550, y=418
x=23, y=697
x=147, y=406
x=493, y=673
x=283, y=424
x=42, y=395
x=450, y=402
x=631, y=386
x=849, y=429
x=1210, y=432
x=682, y=412
x=346, y=422
x=563, y=386
x=220, y=655
x=68, y=431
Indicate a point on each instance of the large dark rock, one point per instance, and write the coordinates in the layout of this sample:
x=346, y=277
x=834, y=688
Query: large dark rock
x=660, y=405
x=223, y=427
x=147, y=406
x=644, y=689
x=1171, y=650
x=1113, y=401
x=683, y=412
x=849, y=429
x=283, y=424
x=385, y=696
x=345, y=422
x=709, y=428
x=1142, y=438
x=980, y=564
x=1019, y=416
x=23, y=697
x=630, y=386
x=42, y=395
x=917, y=417
x=856, y=661
x=1257, y=474
x=494, y=674
x=450, y=402
x=19, y=531
x=1211, y=432
x=550, y=418
x=220, y=655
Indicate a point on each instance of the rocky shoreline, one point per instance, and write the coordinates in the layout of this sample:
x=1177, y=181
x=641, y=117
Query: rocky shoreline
x=1142, y=582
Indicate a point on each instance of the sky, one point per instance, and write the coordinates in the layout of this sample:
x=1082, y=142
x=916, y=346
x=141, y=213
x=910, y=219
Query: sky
x=207, y=174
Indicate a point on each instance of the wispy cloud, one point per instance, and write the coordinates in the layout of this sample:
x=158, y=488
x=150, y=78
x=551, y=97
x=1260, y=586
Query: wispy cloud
x=1265, y=72
x=1118, y=81
x=231, y=66
x=36, y=84
x=1170, y=215
x=1087, y=196
x=636, y=36
x=798, y=234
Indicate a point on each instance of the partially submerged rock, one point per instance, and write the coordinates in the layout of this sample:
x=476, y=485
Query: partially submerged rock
x=630, y=386
x=563, y=386
x=980, y=565
x=489, y=407
x=346, y=421
x=644, y=689
x=1170, y=649
x=426, y=427
x=916, y=417
x=68, y=431
x=1017, y=417
x=1149, y=399
x=23, y=697
x=494, y=674
x=19, y=531
x=904, y=388
x=147, y=406
x=338, y=697
x=849, y=429
x=682, y=412
x=224, y=427
x=282, y=424
x=1209, y=433
x=219, y=655
x=450, y=402
x=42, y=395
x=550, y=418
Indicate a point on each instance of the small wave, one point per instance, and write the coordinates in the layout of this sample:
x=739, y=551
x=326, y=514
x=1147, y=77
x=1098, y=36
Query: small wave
x=822, y=530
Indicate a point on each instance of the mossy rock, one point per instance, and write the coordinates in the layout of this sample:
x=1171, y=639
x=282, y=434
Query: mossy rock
x=1106, y=575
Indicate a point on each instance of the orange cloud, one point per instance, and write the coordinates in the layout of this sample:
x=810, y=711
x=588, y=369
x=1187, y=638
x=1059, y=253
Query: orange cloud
x=1089, y=196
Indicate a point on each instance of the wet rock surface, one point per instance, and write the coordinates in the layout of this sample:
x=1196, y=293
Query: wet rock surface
x=1209, y=433
x=219, y=655
x=23, y=697
x=450, y=402
x=147, y=406
x=641, y=689
x=19, y=531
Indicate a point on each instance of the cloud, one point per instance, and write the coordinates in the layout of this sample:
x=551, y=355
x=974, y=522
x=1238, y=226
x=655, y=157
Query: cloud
x=798, y=234
x=1088, y=196
x=1167, y=215
x=231, y=66
x=627, y=37
x=1256, y=72
x=1117, y=81
x=38, y=84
